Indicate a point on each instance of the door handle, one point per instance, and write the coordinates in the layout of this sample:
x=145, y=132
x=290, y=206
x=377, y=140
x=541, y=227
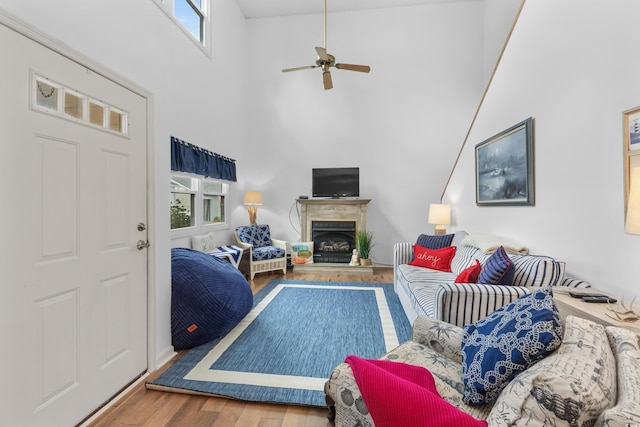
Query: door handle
x=141, y=226
x=142, y=245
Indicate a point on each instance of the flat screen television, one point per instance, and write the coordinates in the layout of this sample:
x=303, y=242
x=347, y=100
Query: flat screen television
x=335, y=182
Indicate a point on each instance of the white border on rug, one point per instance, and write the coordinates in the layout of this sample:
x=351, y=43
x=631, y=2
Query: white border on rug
x=202, y=372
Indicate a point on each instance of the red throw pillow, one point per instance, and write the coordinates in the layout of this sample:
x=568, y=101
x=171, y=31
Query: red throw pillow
x=469, y=274
x=435, y=259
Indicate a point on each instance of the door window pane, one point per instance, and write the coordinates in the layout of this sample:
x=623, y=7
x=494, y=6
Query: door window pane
x=46, y=96
x=96, y=114
x=72, y=105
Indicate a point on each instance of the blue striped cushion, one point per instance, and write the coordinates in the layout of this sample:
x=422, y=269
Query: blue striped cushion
x=434, y=242
x=498, y=269
x=537, y=271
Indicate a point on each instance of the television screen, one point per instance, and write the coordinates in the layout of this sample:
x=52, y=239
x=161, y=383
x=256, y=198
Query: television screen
x=335, y=182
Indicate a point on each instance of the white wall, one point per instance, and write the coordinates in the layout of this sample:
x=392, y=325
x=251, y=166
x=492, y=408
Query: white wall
x=196, y=98
x=402, y=124
x=570, y=65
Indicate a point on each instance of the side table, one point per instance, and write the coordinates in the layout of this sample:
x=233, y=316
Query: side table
x=596, y=312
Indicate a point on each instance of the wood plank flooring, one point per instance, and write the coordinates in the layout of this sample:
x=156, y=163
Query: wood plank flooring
x=151, y=408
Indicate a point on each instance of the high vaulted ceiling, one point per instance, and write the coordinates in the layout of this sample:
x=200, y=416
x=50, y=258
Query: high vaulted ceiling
x=270, y=8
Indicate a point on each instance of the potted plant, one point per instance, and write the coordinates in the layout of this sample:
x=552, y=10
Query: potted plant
x=364, y=243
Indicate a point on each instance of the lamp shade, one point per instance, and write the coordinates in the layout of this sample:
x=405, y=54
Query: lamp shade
x=252, y=198
x=632, y=224
x=439, y=214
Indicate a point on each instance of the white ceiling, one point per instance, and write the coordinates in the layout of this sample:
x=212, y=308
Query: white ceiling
x=270, y=8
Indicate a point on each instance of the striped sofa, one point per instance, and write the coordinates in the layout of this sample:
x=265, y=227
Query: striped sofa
x=433, y=293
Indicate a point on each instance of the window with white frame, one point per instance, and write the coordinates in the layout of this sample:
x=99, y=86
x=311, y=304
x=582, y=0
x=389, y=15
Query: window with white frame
x=190, y=15
x=197, y=201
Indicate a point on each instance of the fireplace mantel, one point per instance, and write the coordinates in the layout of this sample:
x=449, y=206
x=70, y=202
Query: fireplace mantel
x=331, y=209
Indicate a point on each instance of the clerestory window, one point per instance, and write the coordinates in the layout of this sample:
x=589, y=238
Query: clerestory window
x=192, y=16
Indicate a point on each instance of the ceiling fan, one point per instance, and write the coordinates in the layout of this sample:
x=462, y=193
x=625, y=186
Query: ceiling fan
x=326, y=60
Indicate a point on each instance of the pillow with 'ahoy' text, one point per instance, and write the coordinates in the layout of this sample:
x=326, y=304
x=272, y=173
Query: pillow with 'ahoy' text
x=435, y=259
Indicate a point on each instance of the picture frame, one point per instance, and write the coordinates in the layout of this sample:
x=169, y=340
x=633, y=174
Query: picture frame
x=504, y=167
x=630, y=147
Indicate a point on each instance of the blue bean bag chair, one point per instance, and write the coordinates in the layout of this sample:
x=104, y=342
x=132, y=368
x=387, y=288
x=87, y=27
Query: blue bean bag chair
x=208, y=297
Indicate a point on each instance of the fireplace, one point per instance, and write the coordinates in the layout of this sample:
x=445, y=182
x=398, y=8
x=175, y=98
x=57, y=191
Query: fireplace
x=333, y=241
x=331, y=224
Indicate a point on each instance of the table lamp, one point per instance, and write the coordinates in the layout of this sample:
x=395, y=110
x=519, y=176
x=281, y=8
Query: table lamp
x=252, y=199
x=440, y=215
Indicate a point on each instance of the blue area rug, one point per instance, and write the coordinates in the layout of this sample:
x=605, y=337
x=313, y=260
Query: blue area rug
x=287, y=346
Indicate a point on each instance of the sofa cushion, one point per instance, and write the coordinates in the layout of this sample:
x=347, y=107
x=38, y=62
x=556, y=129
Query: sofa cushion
x=569, y=388
x=465, y=257
x=256, y=235
x=203, y=242
x=470, y=274
x=505, y=343
x=435, y=259
x=627, y=353
x=537, y=271
x=264, y=253
x=434, y=242
x=498, y=269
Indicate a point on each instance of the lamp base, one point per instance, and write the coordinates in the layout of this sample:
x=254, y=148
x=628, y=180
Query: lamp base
x=440, y=230
x=253, y=214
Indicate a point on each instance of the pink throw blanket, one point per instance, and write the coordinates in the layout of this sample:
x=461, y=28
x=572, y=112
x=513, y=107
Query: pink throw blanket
x=403, y=395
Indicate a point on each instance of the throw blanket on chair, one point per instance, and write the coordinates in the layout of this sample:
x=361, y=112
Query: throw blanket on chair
x=489, y=243
x=402, y=395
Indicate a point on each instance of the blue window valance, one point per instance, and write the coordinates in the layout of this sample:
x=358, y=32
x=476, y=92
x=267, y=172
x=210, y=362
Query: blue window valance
x=186, y=157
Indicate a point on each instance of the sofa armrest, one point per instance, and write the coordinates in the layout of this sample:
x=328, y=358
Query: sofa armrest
x=570, y=281
x=402, y=254
x=464, y=303
x=442, y=337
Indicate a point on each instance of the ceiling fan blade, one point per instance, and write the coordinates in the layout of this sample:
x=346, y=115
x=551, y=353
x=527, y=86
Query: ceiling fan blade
x=352, y=67
x=306, y=67
x=326, y=78
x=322, y=53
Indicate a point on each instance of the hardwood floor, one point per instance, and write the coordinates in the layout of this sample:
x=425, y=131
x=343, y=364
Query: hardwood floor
x=150, y=408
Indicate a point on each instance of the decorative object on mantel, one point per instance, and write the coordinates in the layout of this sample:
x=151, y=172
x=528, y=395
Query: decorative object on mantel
x=326, y=61
x=355, y=258
x=364, y=243
x=632, y=224
x=252, y=199
x=439, y=215
x=504, y=167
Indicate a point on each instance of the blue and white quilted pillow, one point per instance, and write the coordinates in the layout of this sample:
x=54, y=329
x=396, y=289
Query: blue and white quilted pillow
x=507, y=342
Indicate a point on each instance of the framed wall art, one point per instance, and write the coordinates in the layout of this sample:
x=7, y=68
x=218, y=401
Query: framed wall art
x=630, y=147
x=504, y=167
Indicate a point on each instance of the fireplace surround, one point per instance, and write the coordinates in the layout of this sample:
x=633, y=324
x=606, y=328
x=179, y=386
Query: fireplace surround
x=332, y=225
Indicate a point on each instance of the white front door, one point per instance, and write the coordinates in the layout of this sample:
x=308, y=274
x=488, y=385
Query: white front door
x=73, y=295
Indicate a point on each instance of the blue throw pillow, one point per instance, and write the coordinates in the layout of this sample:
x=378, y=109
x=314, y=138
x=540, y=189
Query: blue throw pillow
x=434, y=242
x=507, y=342
x=498, y=269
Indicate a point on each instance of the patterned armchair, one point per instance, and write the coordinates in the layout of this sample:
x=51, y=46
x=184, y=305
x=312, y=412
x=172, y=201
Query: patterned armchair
x=265, y=253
